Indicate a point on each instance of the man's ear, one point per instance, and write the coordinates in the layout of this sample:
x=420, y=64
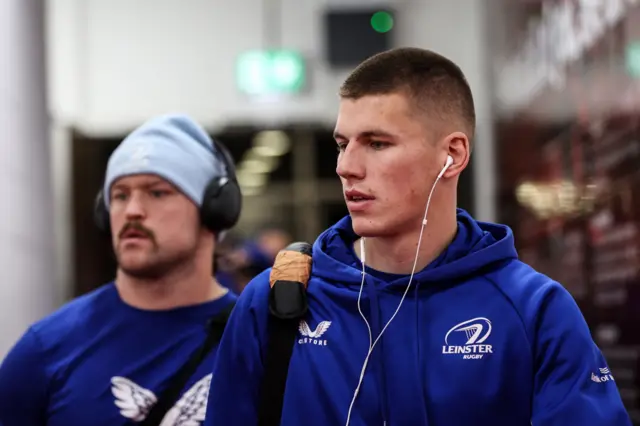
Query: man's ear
x=458, y=147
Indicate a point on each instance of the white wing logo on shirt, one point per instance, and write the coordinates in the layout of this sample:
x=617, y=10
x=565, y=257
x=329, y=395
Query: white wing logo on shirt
x=315, y=334
x=135, y=402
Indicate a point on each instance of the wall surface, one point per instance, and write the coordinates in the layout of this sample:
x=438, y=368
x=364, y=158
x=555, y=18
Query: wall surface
x=116, y=63
x=27, y=288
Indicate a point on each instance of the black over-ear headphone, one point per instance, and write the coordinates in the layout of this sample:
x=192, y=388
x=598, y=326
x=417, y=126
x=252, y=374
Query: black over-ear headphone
x=221, y=203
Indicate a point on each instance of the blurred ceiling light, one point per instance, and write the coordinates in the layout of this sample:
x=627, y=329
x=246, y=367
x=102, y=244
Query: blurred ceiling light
x=252, y=191
x=251, y=180
x=251, y=154
x=271, y=143
x=259, y=165
x=567, y=197
x=525, y=192
x=555, y=199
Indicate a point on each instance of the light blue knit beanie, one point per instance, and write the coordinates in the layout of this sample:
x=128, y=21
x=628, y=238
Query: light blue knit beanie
x=173, y=147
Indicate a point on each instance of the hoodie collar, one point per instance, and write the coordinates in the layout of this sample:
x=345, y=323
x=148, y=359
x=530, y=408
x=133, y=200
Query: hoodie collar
x=475, y=246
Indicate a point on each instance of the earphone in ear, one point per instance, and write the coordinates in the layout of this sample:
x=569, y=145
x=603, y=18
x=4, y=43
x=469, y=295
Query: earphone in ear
x=449, y=161
x=446, y=166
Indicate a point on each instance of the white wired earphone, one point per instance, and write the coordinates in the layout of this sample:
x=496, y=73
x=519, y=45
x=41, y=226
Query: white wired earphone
x=415, y=262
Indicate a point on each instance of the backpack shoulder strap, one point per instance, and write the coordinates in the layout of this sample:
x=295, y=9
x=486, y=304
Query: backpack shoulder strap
x=215, y=328
x=287, y=306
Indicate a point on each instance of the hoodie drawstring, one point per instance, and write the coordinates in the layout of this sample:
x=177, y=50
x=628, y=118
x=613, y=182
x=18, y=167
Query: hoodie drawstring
x=376, y=326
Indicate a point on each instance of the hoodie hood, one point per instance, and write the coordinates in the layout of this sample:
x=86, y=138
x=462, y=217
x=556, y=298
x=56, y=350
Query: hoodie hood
x=477, y=245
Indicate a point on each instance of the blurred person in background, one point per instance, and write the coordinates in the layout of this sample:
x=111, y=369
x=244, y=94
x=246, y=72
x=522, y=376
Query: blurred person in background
x=417, y=313
x=107, y=357
x=243, y=260
x=270, y=241
x=225, y=272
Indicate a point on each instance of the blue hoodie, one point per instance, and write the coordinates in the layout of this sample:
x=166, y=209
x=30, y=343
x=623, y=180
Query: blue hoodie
x=481, y=339
x=100, y=362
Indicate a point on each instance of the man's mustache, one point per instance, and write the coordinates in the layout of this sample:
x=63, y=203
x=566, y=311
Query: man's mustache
x=136, y=226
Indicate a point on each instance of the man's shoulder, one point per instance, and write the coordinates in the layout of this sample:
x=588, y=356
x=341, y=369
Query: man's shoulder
x=518, y=278
x=527, y=290
x=256, y=292
x=73, y=313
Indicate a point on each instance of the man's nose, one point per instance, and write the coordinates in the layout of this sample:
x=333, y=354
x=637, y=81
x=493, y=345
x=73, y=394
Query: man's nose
x=135, y=207
x=350, y=163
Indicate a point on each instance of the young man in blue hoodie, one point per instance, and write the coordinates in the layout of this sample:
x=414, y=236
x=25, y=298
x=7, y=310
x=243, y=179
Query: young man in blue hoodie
x=417, y=314
x=106, y=358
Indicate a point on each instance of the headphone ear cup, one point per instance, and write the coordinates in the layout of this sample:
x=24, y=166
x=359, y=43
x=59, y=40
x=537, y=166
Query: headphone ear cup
x=221, y=204
x=101, y=214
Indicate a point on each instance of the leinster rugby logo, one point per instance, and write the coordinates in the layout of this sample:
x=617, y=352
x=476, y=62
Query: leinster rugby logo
x=467, y=339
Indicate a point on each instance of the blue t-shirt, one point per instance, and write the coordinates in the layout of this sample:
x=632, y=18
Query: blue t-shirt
x=98, y=361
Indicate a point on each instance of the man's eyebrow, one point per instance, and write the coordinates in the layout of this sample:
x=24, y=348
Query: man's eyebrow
x=158, y=182
x=146, y=185
x=376, y=133
x=366, y=134
x=118, y=186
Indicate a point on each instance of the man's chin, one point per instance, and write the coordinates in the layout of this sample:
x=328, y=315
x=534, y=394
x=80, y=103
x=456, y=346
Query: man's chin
x=365, y=227
x=138, y=267
x=141, y=272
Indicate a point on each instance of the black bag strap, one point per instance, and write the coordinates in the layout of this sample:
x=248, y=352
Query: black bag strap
x=287, y=306
x=178, y=381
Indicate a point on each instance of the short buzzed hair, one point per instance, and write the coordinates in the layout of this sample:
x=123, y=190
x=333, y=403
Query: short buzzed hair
x=434, y=82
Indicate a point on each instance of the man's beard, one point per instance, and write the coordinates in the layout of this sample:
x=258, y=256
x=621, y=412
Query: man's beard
x=158, y=267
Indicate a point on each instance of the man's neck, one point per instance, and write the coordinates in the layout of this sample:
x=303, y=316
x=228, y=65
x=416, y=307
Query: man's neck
x=174, y=290
x=397, y=254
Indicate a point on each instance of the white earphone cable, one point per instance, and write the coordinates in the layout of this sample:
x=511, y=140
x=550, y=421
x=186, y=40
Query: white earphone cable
x=413, y=270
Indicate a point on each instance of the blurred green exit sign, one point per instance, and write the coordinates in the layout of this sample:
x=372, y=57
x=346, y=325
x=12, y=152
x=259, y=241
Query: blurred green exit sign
x=270, y=72
x=632, y=59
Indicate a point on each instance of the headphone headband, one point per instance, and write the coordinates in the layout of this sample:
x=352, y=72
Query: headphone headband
x=222, y=154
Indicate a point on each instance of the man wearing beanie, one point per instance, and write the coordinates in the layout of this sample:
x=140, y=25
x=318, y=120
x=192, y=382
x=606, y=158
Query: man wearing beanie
x=143, y=346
